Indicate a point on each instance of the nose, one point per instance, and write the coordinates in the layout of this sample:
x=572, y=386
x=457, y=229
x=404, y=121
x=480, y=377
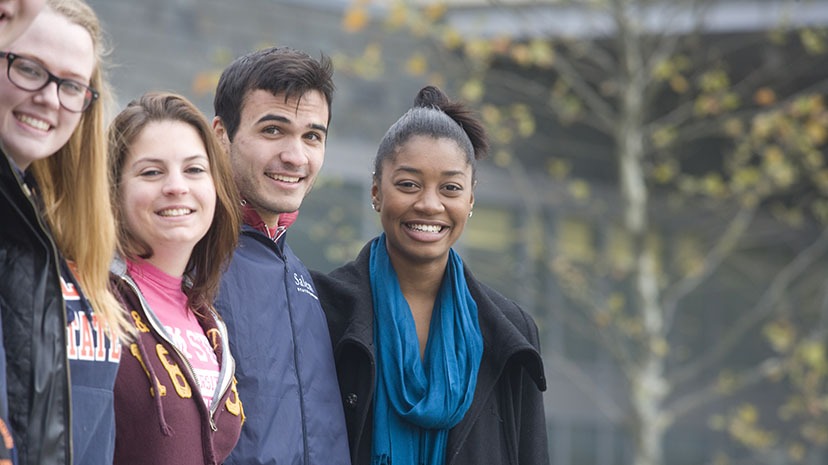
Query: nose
x=429, y=202
x=48, y=95
x=175, y=184
x=293, y=153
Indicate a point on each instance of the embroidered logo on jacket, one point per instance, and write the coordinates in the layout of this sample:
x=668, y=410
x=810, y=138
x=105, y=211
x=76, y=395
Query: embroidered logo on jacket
x=302, y=285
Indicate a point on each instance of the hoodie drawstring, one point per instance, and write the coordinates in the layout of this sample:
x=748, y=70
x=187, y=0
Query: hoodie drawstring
x=159, y=390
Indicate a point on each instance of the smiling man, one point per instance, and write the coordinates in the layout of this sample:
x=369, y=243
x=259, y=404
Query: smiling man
x=272, y=115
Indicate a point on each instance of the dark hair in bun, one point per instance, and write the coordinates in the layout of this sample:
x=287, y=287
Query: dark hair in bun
x=434, y=115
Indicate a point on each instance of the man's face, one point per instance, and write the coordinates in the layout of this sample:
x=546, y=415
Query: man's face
x=278, y=150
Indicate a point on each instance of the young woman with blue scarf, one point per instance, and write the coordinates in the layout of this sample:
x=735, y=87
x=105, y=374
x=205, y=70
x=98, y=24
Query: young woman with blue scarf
x=434, y=366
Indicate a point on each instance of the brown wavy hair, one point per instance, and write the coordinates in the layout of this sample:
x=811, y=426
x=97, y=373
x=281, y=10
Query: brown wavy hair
x=214, y=250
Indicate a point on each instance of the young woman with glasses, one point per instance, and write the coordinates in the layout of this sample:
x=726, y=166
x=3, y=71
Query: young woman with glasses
x=57, y=241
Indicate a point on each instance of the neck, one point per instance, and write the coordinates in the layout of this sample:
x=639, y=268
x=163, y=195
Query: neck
x=419, y=279
x=171, y=260
x=270, y=219
x=21, y=164
x=419, y=284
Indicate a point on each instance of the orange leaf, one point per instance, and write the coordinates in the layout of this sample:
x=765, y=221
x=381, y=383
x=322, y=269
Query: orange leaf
x=355, y=20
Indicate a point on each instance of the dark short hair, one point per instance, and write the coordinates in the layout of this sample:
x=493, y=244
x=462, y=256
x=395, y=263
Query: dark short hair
x=276, y=70
x=434, y=115
x=214, y=250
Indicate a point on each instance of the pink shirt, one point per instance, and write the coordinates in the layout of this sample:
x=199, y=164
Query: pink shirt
x=169, y=303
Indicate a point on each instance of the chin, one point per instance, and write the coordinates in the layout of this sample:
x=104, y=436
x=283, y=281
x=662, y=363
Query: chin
x=288, y=208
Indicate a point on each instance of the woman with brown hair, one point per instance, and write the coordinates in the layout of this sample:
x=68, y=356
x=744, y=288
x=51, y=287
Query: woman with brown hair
x=176, y=206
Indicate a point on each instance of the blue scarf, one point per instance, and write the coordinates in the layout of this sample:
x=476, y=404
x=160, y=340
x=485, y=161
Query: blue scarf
x=417, y=402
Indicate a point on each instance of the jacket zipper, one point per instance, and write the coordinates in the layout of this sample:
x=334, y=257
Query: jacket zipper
x=228, y=366
x=227, y=359
x=280, y=232
x=296, y=364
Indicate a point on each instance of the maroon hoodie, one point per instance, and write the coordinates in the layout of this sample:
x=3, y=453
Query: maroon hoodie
x=175, y=428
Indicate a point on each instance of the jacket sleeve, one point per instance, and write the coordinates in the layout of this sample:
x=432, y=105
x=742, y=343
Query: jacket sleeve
x=532, y=444
x=7, y=452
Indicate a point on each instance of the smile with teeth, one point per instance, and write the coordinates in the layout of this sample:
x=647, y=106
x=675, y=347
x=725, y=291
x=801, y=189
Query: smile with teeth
x=429, y=228
x=283, y=178
x=34, y=122
x=175, y=212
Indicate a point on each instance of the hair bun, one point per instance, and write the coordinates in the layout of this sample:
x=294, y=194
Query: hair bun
x=430, y=96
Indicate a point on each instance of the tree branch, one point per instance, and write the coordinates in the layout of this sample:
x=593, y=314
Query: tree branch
x=723, y=247
x=823, y=313
x=763, y=308
x=682, y=405
x=695, y=129
x=595, y=102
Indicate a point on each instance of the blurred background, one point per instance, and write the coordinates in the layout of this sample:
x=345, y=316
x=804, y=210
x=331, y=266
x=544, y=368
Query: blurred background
x=656, y=196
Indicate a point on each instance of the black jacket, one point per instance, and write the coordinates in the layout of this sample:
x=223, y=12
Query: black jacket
x=505, y=424
x=34, y=328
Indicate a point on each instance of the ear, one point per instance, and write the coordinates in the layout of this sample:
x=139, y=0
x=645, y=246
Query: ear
x=376, y=196
x=471, y=202
x=221, y=133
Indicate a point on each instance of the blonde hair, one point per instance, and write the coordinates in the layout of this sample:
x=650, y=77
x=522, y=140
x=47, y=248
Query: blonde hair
x=74, y=186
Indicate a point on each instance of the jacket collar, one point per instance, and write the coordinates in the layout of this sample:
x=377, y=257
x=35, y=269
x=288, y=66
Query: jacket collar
x=252, y=218
x=503, y=340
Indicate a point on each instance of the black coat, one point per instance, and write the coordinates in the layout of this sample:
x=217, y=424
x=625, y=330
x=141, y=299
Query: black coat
x=505, y=424
x=34, y=328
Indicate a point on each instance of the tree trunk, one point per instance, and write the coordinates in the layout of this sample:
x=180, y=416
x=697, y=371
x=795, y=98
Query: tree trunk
x=646, y=376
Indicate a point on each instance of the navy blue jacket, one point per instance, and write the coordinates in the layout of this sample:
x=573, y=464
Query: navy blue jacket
x=93, y=363
x=505, y=424
x=284, y=362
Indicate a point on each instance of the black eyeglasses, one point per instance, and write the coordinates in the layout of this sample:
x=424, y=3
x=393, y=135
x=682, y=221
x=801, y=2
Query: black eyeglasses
x=30, y=75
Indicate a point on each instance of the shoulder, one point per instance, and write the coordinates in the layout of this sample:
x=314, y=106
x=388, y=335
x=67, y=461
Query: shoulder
x=345, y=295
x=120, y=288
x=254, y=266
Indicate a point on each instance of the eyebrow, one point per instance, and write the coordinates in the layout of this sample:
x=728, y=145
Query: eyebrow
x=284, y=120
x=163, y=160
x=72, y=75
x=449, y=173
